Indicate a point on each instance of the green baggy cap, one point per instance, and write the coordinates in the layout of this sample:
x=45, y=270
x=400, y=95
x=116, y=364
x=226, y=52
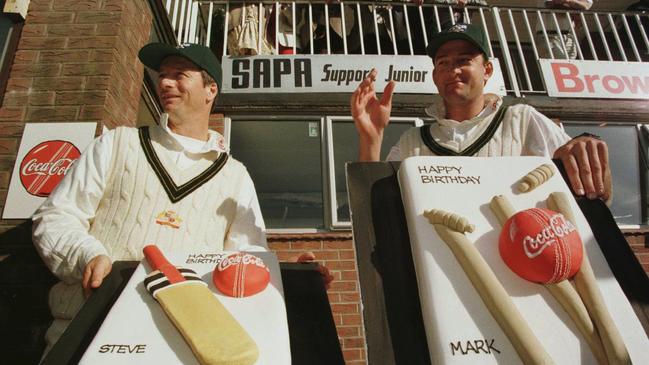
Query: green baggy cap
x=153, y=54
x=468, y=32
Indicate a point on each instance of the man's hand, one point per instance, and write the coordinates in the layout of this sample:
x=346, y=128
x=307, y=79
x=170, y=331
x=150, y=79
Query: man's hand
x=95, y=272
x=371, y=116
x=586, y=162
x=309, y=257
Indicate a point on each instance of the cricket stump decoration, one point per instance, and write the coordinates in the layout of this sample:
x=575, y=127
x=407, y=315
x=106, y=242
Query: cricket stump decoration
x=586, y=285
x=451, y=228
x=536, y=177
x=543, y=246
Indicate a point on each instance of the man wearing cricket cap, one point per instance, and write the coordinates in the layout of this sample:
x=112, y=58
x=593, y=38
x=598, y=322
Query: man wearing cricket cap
x=466, y=124
x=173, y=184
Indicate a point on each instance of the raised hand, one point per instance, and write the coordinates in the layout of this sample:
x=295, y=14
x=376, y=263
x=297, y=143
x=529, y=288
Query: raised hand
x=371, y=116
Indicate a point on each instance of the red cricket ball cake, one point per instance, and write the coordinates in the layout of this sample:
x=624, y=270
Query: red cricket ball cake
x=540, y=245
x=241, y=275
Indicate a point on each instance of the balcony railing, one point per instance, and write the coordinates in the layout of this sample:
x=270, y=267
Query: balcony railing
x=518, y=37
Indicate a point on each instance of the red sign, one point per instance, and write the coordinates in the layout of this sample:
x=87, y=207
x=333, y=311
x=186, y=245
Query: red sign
x=45, y=165
x=596, y=79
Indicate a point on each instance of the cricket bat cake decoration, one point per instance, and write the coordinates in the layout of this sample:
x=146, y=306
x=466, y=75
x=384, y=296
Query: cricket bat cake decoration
x=213, y=334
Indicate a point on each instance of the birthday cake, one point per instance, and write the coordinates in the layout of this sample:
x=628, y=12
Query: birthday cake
x=138, y=331
x=455, y=235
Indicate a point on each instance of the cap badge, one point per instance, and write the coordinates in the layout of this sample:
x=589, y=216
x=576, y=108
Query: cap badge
x=168, y=218
x=183, y=45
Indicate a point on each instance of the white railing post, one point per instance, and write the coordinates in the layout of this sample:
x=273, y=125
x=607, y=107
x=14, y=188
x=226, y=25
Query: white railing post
x=505, y=49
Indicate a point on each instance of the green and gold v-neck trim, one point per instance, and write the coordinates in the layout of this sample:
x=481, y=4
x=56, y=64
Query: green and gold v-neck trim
x=177, y=192
x=480, y=142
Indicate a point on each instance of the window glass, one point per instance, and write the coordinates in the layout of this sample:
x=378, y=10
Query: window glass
x=345, y=146
x=283, y=159
x=625, y=168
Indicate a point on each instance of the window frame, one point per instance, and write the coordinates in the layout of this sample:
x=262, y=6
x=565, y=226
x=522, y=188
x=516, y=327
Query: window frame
x=8, y=53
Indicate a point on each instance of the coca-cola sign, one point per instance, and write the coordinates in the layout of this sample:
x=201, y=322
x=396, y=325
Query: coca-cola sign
x=44, y=166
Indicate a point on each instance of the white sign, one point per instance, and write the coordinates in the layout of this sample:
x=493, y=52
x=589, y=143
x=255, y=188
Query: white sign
x=596, y=79
x=46, y=153
x=334, y=74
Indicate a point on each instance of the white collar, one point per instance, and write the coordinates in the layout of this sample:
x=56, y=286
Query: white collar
x=438, y=111
x=215, y=141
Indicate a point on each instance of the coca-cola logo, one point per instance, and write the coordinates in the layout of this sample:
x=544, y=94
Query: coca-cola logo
x=45, y=165
x=236, y=259
x=556, y=228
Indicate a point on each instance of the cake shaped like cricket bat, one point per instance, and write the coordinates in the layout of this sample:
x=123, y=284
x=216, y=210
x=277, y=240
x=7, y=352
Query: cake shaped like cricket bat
x=213, y=334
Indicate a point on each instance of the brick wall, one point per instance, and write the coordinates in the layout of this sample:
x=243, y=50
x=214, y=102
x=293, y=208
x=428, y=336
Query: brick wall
x=76, y=61
x=336, y=251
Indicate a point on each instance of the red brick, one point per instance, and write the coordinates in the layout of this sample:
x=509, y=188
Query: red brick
x=343, y=286
x=64, y=56
x=8, y=146
x=15, y=98
x=58, y=114
x=98, y=83
x=349, y=275
x=112, y=5
x=96, y=17
x=89, y=69
x=326, y=255
x=347, y=331
x=344, y=308
x=40, y=5
x=25, y=56
x=341, y=265
x=105, y=55
x=76, y=4
x=338, y=319
x=338, y=245
x=350, y=297
x=42, y=98
x=93, y=113
x=58, y=83
x=309, y=245
x=351, y=319
x=352, y=354
x=70, y=30
x=4, y=179
x=108, y=29
x=36, y=70
x=81, y=98
x=41, y=43
x=347, y=255
x=354, y=342
x=33, y=30
x=279, y=246
x=286, y=256
x=335, y=274
x=92, y=42
x=19, y=84
x=49, y=17
x=12, y=130
x=6, y=164
x=11, y=114
x=333, y=297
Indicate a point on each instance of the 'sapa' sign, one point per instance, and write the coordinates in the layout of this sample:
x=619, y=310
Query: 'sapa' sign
x=596, y=79
x=334, y=73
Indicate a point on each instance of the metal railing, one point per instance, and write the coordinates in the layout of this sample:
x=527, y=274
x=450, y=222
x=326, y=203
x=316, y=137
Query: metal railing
x=518, y=37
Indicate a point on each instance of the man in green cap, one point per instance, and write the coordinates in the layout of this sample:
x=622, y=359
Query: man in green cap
x=173, y=184
x=467, y=124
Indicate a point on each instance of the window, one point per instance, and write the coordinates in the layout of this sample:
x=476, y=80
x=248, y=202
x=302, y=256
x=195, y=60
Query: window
x=296, y=162
x=626, y=169
x=10, y=28
x=283, y=157
x=343, y=149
